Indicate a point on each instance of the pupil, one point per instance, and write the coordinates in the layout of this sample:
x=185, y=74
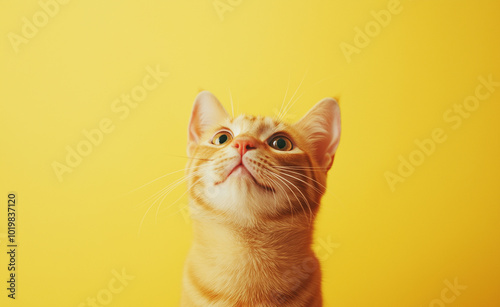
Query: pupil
x=281, y=143
x=222, y=139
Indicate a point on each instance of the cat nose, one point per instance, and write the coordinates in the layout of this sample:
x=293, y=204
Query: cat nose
x=244, y=144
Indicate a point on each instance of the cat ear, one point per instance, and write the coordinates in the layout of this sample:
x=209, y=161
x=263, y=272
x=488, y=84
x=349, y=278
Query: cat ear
x=207, y=112
x=321, y=127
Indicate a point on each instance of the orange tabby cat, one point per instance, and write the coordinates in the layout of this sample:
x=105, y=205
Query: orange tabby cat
x=255, y=186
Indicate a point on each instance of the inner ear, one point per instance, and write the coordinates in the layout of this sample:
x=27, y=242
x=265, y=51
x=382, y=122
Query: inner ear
x=207, y=112
x=321, y=128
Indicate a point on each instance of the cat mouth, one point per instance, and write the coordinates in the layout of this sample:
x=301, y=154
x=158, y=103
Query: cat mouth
x=241, y=170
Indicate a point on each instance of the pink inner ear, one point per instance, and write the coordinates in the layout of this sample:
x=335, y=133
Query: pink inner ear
x=207, y=112
x=195, y=129
x=321, y=127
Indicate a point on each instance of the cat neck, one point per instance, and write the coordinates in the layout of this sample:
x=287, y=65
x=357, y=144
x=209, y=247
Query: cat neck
x=264, y=264
x=275, y=235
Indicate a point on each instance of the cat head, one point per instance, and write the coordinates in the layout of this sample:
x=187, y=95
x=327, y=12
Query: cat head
x=250, y=167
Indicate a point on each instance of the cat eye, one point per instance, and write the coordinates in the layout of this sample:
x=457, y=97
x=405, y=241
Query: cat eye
x=281, y=143
x=222, y=137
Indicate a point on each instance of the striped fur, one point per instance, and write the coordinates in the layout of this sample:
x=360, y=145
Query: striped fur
x=253, y=231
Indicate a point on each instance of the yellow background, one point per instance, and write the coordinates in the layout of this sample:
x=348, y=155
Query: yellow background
x=387, y=248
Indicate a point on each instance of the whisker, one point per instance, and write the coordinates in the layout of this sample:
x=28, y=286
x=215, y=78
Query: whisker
x=294, y=177
x=222, y=213
x=159, y=205
x=154, y=195
x=300, y=84
x=282, y=189
x=192, y=158
x=286, y=93
x=232, y=104
x=300, y=167
x=160, y=194
x=310, y=178
x=303, y=175
x=268, y=180
x=309, y=184
x=293, y=170
x=303, y=196
x=164, y=191
x=291, y=105
x=163, y=176
x=286, y=185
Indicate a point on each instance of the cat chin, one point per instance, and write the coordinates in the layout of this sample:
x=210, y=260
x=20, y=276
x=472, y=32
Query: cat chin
x=243, y=198
x=244, y=201
x=242, y=182
x=239, y=189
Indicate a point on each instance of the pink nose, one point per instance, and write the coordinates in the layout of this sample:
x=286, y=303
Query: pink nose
x=244, y=144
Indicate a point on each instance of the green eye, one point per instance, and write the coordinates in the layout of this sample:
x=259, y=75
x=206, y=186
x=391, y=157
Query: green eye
x=221, y=137
x=281, y=143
